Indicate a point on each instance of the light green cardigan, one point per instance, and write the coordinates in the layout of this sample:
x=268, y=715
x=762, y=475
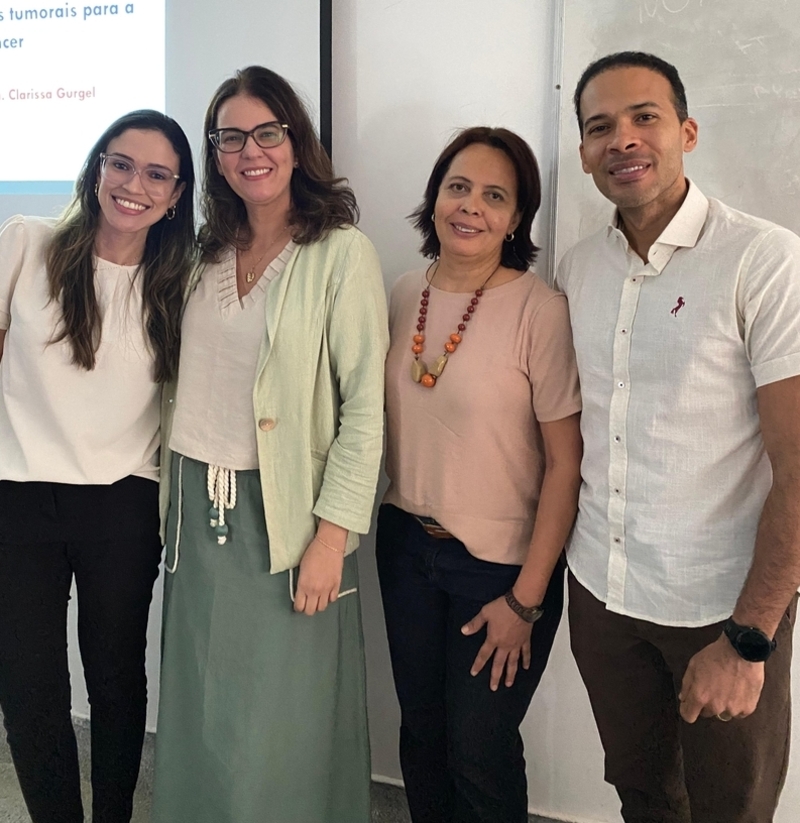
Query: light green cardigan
x=318, y=394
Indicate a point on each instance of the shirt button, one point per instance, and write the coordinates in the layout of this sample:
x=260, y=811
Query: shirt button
x=616, y=491
x=623, y=331
x=621, y=385
x=266, y=424
x=617, y=439
x=617, y=540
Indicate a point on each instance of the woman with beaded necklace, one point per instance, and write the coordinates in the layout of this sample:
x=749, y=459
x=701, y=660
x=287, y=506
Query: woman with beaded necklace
x=483, y=454
x=276, y=441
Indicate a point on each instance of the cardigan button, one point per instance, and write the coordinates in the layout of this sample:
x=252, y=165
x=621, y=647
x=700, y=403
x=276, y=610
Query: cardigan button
x=266, y=424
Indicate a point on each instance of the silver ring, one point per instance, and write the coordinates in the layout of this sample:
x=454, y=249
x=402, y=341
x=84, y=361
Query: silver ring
x=725, y=717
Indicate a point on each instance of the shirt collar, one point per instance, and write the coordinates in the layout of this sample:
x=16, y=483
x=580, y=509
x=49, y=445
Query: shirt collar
x=682, y=231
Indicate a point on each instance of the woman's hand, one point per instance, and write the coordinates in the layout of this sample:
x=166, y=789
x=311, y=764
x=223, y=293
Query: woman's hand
x=320, y=576
x=508, y=637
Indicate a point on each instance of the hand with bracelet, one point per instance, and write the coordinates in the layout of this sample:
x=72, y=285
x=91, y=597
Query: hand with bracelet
x=320, y=575
x=508, y=637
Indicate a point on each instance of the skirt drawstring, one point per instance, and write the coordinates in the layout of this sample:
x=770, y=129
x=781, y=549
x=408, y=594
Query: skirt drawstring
x=221, y=484
x=179, y=519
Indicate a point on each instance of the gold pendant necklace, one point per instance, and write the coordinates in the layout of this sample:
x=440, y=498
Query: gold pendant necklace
x=250, y=275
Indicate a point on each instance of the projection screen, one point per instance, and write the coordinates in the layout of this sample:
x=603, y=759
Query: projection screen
x=68, y=69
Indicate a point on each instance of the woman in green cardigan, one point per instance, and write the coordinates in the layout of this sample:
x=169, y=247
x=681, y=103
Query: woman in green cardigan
x=275, y=432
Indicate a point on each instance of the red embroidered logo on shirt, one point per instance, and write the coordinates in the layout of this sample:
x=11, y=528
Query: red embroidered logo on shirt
x=678, y=306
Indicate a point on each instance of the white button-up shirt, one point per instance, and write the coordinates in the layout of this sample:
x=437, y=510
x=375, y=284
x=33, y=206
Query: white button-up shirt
x=670, y=354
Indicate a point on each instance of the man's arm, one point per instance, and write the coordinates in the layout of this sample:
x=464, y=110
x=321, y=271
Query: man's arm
x=717, y=680
x=775, y=573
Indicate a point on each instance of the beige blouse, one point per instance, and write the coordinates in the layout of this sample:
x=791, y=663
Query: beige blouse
x=221, y=338
x=58, y=422
x=468, y=451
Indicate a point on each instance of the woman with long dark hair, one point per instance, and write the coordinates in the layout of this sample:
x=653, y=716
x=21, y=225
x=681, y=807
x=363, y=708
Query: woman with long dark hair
x=276, y=441
x=89, y=333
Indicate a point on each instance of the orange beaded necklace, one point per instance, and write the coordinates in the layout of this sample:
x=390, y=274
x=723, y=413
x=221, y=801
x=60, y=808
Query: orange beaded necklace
x=420, y=373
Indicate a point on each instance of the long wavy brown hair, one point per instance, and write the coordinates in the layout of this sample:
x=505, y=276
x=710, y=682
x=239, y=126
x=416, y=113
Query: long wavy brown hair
x=320, y=201
x=165, y=265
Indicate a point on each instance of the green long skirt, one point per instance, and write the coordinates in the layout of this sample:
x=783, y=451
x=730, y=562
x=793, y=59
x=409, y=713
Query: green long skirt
x=262, y=715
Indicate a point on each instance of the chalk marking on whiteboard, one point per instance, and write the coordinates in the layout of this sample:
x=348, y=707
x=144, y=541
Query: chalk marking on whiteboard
x=744, y=45
x=721, y=87
x=643, y=9
x=720, y=106
x=650, y=7
x=777, y=91
x=676, y=11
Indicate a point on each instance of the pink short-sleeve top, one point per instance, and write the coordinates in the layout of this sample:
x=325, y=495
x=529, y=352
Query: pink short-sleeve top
x=469, y=451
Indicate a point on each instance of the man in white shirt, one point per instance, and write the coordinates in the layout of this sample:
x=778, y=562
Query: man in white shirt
x=685, y=558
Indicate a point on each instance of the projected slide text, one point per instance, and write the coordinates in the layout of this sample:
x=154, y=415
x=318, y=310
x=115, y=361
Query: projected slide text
x=66, y=72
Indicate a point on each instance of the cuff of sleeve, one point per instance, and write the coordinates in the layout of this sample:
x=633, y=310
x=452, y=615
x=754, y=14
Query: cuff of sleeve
x=560, y=414
x=347, y=520
x=779, y=369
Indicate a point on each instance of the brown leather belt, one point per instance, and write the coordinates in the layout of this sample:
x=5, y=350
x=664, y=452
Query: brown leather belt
x=433, y=528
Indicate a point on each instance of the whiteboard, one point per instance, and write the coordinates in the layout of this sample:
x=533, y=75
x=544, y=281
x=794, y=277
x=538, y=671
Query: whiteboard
x=740, y=63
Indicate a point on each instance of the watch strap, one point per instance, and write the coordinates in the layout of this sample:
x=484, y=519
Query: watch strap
x=530, y=614
x=734, y=632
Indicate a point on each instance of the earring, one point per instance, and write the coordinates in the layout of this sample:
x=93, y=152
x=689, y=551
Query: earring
x=171, y=213
x=510, y=237
x=96, y=189
x=433, y=217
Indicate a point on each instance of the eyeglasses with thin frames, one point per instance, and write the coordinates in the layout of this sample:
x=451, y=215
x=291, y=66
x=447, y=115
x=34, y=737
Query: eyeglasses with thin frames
x=119, y=170
x=265, y=136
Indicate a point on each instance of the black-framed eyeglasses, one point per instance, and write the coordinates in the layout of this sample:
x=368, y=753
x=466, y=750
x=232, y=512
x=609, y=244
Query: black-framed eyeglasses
x=119, y=170
x=266, y=136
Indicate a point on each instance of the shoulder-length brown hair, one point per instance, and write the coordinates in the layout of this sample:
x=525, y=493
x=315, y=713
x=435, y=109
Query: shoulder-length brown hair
x=518, y=253
x=164, y=268
x=320, y=201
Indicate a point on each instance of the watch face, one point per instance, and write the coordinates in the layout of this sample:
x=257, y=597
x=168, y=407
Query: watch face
x=752, y=645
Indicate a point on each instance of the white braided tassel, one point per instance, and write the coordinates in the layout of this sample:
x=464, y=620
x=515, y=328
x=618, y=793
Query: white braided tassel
x=221, y=485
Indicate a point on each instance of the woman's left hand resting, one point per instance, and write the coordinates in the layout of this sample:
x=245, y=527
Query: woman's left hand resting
x=508, y=638
x=320, y=576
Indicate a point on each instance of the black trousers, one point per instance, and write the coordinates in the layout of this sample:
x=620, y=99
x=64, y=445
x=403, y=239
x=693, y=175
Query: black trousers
x=107, y=537
x=460, y=748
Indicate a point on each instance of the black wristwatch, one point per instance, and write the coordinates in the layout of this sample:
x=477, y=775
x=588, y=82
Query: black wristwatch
x=748, y=642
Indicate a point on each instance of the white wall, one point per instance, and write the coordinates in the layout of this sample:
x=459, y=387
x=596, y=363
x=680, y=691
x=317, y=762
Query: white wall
x=406, y=74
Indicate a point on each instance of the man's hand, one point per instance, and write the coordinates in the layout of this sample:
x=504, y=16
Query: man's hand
x=720, y=683
x=319, y=579
x=508, y=637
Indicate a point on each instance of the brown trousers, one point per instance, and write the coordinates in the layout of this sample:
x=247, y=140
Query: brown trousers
x=664, y=769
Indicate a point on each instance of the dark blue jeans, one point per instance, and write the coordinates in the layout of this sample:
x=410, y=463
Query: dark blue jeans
x=460, y=748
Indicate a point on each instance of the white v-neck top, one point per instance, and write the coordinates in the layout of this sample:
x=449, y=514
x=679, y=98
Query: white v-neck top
x=58, y=422
x=220, y=342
